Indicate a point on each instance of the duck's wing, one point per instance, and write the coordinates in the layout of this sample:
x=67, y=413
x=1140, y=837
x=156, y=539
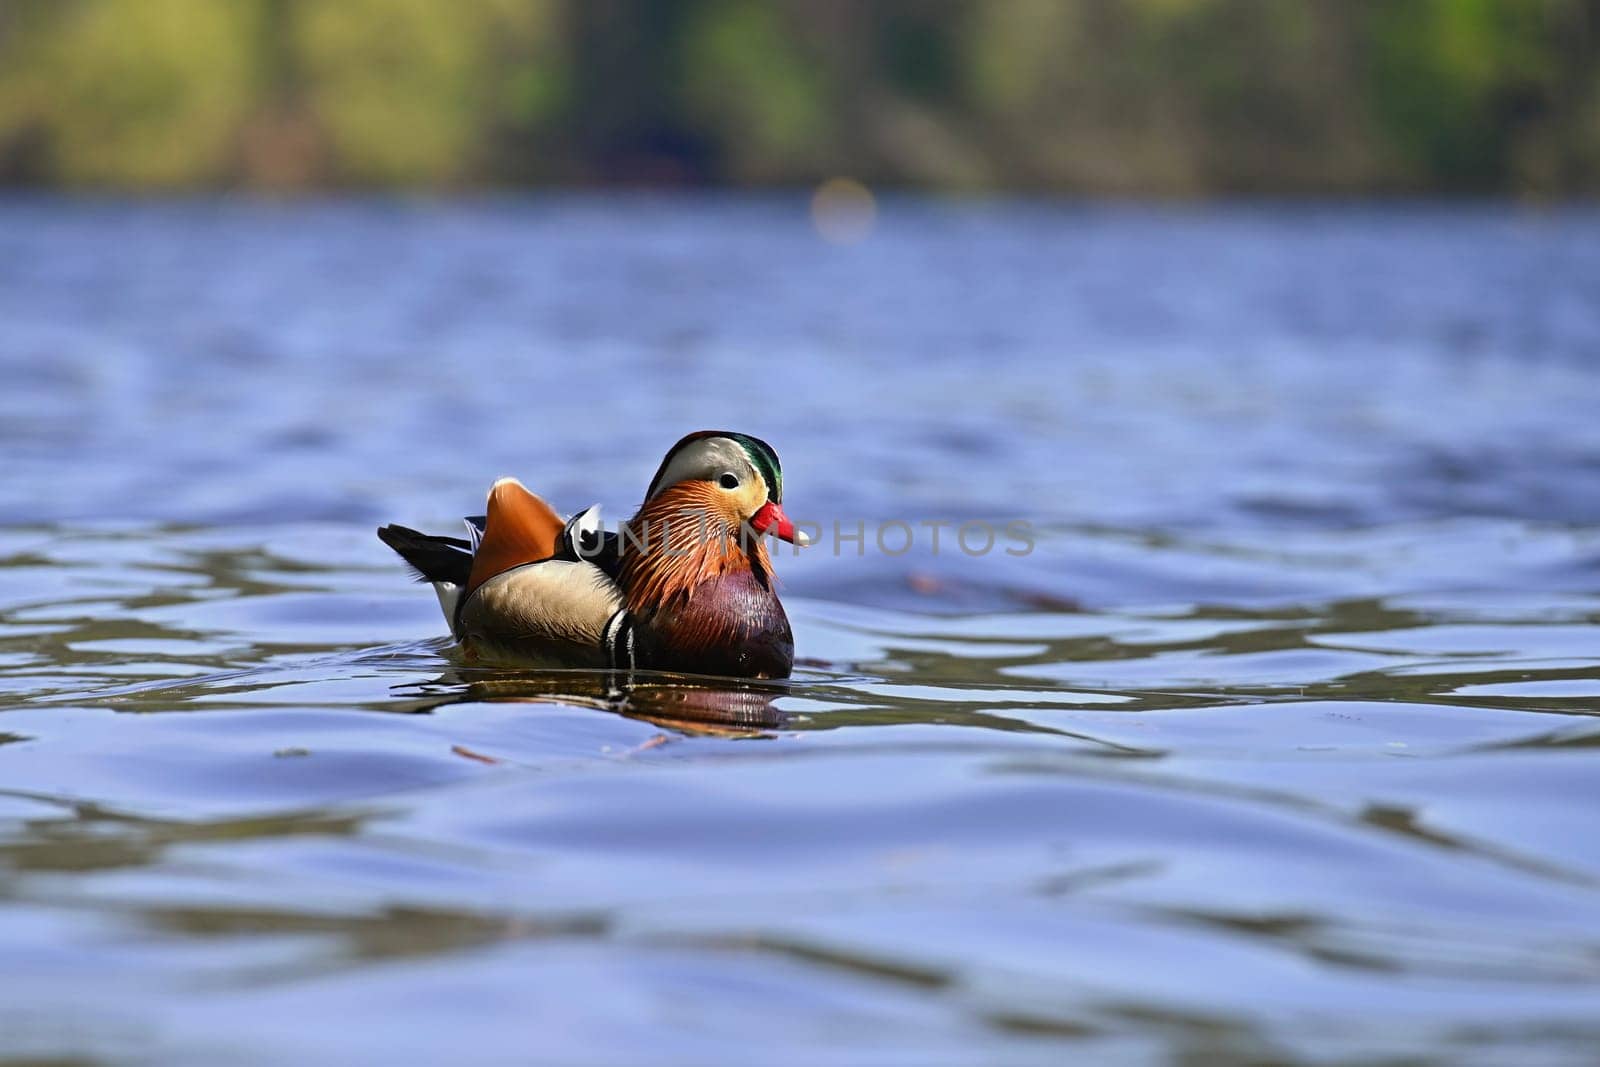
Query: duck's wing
x=531, y=593
x=523, y=585
x=563, y=611
x=519, y=528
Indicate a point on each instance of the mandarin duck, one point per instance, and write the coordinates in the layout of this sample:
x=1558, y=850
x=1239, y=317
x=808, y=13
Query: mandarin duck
x=686, y=585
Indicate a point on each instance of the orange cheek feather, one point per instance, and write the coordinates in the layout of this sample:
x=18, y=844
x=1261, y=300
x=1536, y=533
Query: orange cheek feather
x=687, y=535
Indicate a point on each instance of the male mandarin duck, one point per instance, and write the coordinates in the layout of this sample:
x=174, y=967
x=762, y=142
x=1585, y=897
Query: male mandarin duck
x=682, y=587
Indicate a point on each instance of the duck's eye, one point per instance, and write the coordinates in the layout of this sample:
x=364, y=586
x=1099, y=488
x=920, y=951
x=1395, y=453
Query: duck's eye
x=728, y=481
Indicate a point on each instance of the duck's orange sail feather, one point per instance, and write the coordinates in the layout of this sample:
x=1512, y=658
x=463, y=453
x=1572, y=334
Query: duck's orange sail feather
x=520, y=528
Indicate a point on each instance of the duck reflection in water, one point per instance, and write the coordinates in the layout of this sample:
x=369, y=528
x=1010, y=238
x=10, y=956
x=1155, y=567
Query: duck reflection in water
x=680, y=702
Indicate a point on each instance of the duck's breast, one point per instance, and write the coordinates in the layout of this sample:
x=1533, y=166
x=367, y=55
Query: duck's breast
x=730, y=625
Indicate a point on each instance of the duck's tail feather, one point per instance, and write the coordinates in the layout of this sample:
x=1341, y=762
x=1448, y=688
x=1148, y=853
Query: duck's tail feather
x=430, y=557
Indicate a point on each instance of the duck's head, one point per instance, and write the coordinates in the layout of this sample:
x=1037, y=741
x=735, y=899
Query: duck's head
x=741, y=475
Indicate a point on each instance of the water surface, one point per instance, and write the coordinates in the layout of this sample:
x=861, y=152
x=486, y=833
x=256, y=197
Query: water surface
x=1281, y=746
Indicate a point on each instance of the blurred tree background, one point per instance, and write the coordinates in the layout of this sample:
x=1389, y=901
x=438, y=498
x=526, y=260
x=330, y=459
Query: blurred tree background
x=1147, y=97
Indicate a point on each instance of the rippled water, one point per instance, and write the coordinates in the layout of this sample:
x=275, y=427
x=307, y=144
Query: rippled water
x=1280, y=747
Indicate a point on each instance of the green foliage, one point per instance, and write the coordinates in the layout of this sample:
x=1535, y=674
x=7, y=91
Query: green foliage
x=132, y=92
x=401, y=86
x=744, y=77
x=1445, y=75
x=1140, y=96
x=920, y=52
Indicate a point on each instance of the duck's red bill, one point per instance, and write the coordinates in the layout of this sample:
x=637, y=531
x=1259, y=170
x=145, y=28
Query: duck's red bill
x=771, y=517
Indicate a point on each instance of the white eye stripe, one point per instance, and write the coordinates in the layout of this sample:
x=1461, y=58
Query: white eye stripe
x=703, y=460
